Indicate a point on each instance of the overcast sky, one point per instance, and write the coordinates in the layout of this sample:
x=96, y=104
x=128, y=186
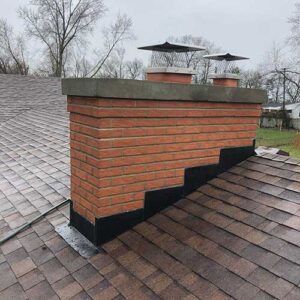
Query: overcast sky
x=244, y=27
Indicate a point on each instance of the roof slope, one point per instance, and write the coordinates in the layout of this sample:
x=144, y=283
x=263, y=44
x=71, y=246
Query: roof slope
x=20, y=93
x=237, y=237
x=34, y=148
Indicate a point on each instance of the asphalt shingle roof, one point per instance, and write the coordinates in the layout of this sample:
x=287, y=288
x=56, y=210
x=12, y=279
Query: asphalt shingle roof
x=236, y=237
x=21, y=93
x=34, y=148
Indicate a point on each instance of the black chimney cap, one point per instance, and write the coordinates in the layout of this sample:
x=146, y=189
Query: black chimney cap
x=171, y=47
x=225, y=56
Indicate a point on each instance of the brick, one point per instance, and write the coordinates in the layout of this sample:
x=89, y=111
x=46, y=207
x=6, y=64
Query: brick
x=125, y=198
x=77, y=207
x=110, y=191
x=89, y=101
x=157, y=122
x=133, y=205
x=135, y=178
x=90, y=215
x=93, y=122
x=113, y=138
x=109, y=210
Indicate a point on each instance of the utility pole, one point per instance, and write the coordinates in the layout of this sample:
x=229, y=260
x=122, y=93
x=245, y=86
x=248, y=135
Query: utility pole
x=284, y=88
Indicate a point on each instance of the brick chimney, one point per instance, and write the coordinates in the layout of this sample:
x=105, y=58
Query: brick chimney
x=170, y=74
x=223, y=63
x=168, y=62
x=139, y=146
x=226, y=79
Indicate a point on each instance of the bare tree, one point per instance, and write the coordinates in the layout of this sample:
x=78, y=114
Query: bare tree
x=293, y=87
x=134, y=69
x=292, y=84
x=114, y=35
x=12, y=51
x=292, y=72
x=114, y=66
x=272, y=79
x=59, y=25
x=252, y=79
x=81, y=66
x=294, y=22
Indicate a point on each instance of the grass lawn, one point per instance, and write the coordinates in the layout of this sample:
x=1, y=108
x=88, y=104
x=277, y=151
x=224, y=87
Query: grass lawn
x=284, y=140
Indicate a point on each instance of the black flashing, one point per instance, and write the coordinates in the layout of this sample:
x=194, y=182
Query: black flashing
x=107, y=228
x=112, y=226
x=197, y=176
x=229, y=157
x=157, y=200
x=83, y=225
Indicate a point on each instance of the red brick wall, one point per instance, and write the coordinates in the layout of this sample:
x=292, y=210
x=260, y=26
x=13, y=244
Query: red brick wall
x=226, y=82
x=170, y=77
x=122, y=148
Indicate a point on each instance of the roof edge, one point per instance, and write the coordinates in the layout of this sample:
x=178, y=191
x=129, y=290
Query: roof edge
x=148, y=90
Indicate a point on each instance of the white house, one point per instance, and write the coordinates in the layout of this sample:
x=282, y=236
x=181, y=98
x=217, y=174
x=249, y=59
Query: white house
x=292, y=109
x=271, y=107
